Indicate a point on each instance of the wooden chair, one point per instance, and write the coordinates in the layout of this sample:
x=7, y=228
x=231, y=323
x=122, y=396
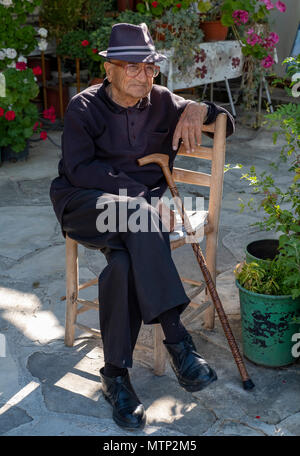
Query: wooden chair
x=210, y=219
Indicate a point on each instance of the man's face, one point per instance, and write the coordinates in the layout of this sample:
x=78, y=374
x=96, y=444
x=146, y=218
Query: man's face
x=127, y=86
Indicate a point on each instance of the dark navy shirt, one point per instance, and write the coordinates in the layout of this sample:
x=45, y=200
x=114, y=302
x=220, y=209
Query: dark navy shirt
x=102, y=141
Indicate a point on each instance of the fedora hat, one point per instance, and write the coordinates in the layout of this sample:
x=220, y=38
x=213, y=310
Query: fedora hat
x=132, y=43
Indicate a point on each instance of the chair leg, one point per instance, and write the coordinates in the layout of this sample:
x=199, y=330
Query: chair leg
x=71, y=289
x=160, y=353
x=211, y=252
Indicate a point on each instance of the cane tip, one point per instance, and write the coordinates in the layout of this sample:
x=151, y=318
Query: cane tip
x=248, y=384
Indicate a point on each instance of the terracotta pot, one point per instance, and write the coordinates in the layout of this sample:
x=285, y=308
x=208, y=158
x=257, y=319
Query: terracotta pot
x=37, y=61
x=95, y=81
x=53, y=98
x=214, y=30
x=125, y=5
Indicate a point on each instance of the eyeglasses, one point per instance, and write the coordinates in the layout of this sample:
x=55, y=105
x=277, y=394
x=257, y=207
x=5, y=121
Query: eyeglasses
x=133, y=69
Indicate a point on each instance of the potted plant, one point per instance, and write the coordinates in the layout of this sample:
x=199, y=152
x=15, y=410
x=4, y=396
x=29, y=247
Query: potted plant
x=249, y=20
x=19, y=117
x=280, y=277
x=270, y=302
x=210, y=21
x=183, y=38
x=18, y=113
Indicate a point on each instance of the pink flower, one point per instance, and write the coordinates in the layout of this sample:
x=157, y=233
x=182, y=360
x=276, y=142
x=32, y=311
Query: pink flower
x=269, y=4
x=21, y=66
x=154, y=4
x=95, y=50
x=10, y=115
x=1, y=112
x=267, y=62
x=274, y=37
x=280, y=6
x=253, y=39
x=85, y=43
x=37, y=70
x=43, y=135
x=178, y=5
x=240, y=17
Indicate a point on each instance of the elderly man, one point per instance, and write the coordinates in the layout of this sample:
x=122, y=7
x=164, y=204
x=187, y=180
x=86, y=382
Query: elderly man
x=107, y=128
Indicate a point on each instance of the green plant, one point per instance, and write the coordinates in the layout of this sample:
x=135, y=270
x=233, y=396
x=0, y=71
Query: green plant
x=183, y=37
x=17, y=114
x=210, y=11
x=73, y=44
x=94, y=11
x=60, y=16
x=278, y=277
x=281, y=204
x=249, y=20
x=160, y=7
x=15, y=37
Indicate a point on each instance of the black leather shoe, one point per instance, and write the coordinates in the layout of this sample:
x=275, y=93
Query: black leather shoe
x=128, y=411
x=192, y=371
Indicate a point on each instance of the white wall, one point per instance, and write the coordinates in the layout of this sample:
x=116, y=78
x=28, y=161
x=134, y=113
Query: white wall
x=286, y=25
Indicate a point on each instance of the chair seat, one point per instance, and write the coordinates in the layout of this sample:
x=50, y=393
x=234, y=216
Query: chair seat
x=197, y=220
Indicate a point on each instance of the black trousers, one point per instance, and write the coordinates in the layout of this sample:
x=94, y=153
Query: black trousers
x=140, y=280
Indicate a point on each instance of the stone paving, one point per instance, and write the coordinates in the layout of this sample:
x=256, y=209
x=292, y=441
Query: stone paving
x=47, y=388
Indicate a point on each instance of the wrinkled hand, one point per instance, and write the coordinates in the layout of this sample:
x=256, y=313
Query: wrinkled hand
x=168, y=216
x=189, y=126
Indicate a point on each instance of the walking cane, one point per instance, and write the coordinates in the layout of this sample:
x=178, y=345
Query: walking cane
x=163, y=161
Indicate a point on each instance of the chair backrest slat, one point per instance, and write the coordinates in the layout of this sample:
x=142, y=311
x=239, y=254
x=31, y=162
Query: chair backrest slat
x=199, y=152
x=187, y=176
x=216, y=154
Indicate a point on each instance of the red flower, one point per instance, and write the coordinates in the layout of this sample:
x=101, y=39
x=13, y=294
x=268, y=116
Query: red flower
x=1, y=112
x=43, y=135
x=154, y=4
x=37, y=70
x=49, y=114
x=10, y=115
x=178, y=5
x=35, y=126
x=85, y=43
x=21, y=66
x=95, y=51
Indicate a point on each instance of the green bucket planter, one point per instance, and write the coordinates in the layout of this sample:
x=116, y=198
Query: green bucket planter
x=268, y=327
x=262, y=250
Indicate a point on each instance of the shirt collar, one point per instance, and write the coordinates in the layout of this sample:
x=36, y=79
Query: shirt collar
x=142, y=104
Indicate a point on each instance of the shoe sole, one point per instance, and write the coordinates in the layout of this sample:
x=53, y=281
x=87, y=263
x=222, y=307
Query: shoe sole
x=192, y=388
x=124, y=426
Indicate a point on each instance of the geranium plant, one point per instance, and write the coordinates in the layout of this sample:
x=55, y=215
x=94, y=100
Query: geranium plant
x=19, y=117
x=79, y=44
x=248, y=13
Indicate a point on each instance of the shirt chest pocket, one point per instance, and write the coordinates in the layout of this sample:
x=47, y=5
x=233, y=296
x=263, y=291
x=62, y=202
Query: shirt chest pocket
x=157, y=141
